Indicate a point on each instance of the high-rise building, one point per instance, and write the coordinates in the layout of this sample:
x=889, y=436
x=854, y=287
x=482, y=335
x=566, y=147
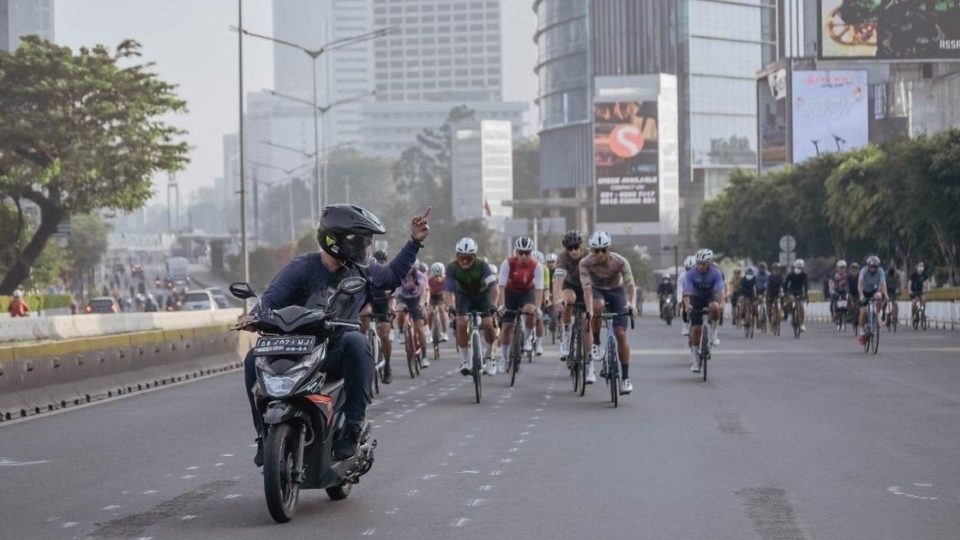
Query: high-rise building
x=20, y=18
x=482, y=168
x=446, y=53
x=341, y=73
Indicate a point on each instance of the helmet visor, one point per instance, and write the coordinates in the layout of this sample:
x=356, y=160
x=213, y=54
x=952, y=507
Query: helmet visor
x=355, y=248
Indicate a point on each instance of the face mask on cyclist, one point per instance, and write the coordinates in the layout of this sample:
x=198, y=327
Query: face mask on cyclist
x=797, y=270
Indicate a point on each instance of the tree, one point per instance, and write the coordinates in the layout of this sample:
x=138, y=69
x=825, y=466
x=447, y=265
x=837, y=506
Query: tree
x=87, y=244
x=81, y=131
x=526, y=175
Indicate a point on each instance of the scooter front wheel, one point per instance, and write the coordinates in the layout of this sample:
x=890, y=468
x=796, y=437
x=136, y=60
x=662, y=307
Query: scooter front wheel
x=279, y=462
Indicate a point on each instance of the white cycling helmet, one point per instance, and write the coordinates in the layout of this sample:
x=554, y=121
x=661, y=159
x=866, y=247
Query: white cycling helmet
x=799, y=264
x=841, y=264
x=538, y=255
x=552, y=257
x=689, y=262
x=704, y=256
x=467, y=246
x=437, y=269
x=524, y=243
x=873, y=260
x=665, y=276
x=599, y=240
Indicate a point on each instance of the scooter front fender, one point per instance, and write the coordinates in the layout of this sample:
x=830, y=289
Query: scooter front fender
x=279, y=412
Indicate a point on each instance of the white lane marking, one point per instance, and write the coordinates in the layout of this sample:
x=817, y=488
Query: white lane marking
x=506, y=461
x=519, y=441
x=192, y=468
x=476, y=502
x=226, y=455
x=524, y=433
x=495, y=473
x=150, y=492
x=534, y=417
x=531, y=425
x=4, y=462
x=188, y=517
x=450, y=454
x=485, y=488
x=218, y=464
x=469, y=472
x=392, y=511
x=460, y=522
x=413, y=492
x=187, y=476
x=110, y=507
x=369, y=532
x=428, y=477
x=69, y=525
x=513, y=450
x=52, y=519
x=922, y=484
x=231, y=496
x=538, y=410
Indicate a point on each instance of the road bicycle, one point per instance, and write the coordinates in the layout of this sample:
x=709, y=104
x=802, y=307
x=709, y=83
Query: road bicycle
x=775, y=311
x=892, y=310
x=920, y=315
x=516, y=351
x=611, y=354
x=871, y=328
x=413, y=346
x=761, y=315
x=577, y=358
x=436, y=333
x=748, y=317
x=840, y=313
x=704, y=349
x=474, y=319
x=376, y=352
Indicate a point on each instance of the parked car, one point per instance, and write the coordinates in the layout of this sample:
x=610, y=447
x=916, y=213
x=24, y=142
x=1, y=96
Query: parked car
x=102, y=304
x=219, y=297
x=199, y=301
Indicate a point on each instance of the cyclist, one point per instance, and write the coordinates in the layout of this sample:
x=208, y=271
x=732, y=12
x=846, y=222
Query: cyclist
x=872, y=285
x=412, y=299
x=521, y=287
x=774, y=290
x=747, y=289
x=665, y=289
x=733, y=294
x=608, y=280
x=893, y=289
x=762, y=276
x=551, y=269
x=567, y=287
x=470, y=287
x=918, y=280
x=436, y=283
x=702, y=288
x=380, y=308
x=838, y=284
x=795, y=284
x=688, y=264
x=545, y=305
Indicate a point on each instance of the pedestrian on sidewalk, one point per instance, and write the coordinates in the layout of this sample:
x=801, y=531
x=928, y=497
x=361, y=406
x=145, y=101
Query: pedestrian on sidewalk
x=18, y=307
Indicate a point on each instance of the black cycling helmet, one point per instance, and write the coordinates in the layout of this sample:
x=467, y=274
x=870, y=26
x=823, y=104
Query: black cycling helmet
x=346, y=231
x=572, y=239
x=380, y=256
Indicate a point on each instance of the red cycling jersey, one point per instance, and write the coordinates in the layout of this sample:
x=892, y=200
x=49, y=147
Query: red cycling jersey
x=521, y=275
x=437, y=284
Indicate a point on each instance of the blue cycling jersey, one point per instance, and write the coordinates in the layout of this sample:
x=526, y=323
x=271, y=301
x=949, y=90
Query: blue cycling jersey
x=762, y=278
x=704, y=285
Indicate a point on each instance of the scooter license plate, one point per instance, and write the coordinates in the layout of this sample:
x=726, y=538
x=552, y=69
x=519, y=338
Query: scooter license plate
x=284, y=345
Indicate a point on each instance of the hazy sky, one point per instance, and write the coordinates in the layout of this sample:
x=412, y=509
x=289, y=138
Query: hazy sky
x=191, y=44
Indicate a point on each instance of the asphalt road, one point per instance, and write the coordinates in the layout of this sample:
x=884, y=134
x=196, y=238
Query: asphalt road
x=788, y=440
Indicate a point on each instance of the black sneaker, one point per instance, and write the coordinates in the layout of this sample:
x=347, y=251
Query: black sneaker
x=258, y=459
x=387, y=375
x=345, y=447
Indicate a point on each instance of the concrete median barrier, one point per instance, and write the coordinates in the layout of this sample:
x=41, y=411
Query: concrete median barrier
x=39, y=378
x=27, y=329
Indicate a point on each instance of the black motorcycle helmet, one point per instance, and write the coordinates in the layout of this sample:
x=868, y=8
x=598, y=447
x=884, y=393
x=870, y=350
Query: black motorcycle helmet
x=346, y=231
x=572, y=239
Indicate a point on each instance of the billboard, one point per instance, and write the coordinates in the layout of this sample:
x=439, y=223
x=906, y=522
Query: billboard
x=830, y=112
x=889, y=29
x=772, y=119
x=626, y=157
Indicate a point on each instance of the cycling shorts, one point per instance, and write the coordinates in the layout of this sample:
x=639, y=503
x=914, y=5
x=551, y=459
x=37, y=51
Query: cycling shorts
x=515, y=301
x=578, y=291
x=436, y=299
x=467, y=303
x=381, y=308
x=615, y=301
x=413, y=307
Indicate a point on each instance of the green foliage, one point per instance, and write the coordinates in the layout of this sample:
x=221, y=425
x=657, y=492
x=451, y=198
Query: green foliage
x=37, y=302
x=87, y=243
x=81, y=131
x=898, y=200
x=264, y=265
x=49, y=267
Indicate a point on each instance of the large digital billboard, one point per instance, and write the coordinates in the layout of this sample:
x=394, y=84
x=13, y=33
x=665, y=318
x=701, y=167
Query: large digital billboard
x=626, y=157
x=830, y=112
x=890, y=29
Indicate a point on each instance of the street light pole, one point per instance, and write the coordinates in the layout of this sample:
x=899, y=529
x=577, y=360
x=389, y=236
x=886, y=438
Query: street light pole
x=314, y=200
x=245, y=255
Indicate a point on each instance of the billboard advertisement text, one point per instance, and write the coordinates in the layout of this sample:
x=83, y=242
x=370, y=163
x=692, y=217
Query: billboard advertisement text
x=829, y=112
x=626, y=157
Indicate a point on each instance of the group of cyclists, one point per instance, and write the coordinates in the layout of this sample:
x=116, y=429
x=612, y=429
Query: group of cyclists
x=515, y=296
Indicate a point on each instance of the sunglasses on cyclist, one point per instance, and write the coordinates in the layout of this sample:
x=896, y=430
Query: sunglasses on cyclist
x=466, y=258
x=600, y=250
x=523, y=253
x=573, y=248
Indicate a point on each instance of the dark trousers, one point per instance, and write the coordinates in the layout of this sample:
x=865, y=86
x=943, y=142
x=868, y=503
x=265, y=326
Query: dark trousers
x=348, y=357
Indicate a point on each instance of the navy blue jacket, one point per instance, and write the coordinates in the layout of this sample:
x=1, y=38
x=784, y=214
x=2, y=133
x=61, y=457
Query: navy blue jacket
x=306, y=282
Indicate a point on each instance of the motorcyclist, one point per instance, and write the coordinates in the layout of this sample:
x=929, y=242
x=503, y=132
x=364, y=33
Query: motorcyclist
x=345, y=235
x=665, y=289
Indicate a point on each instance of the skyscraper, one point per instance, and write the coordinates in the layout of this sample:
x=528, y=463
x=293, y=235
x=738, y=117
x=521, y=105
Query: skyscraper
x=446, y=53
x=20, y=18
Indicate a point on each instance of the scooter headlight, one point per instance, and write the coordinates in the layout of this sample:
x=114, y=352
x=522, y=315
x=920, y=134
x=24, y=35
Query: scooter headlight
x=280, y=385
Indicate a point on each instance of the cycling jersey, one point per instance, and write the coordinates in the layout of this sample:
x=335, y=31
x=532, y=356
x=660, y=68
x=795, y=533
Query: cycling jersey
x=680, y=280
x=747, y=288
x=840, y=281
x=916, y=282
x=796, y=284
x=413, y=286
x=762, y=278
x=665, y=289
x=893, y=285
x=611, y=273
x=774, y=287
x=872, y=280
x=520, y=275
x=568, y=269
x=547, y=277
x=703, y=285
x=852, y=280
x=472, y=281
x=437, y=284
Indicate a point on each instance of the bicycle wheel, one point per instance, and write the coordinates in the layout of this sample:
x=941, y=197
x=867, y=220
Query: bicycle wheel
x=704, y=351
x=411, y=349
x=923, y=319
x=477, y=370
x=613, y=370
x=875, y=345
x=580, y=359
